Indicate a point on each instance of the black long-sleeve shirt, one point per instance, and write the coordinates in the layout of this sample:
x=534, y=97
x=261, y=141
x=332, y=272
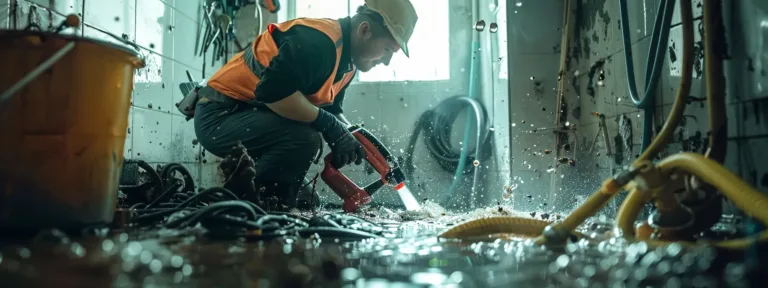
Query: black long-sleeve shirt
x=305, y=60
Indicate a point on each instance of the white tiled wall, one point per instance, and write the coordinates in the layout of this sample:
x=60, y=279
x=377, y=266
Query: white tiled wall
x=165, y=31
x=746, y=108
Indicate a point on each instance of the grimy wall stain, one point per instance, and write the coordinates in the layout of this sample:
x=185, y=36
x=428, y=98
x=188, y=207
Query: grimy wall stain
x=598, y=38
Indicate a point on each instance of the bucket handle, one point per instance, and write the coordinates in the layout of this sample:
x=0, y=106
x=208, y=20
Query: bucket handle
x=7, y=94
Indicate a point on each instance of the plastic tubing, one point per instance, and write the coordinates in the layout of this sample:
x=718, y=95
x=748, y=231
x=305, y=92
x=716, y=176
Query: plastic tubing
x=655, y=62
x=739, y=192
x=633, y=203
x=493, y=225
x=673, y=120
x=713, y=30
x=457, y=177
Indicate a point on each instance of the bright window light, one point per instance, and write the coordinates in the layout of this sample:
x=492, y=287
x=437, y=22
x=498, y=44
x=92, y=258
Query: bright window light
x=429, y=44
x=322, y=8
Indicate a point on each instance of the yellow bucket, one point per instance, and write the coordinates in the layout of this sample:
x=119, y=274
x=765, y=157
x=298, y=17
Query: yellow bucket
x=62, y=134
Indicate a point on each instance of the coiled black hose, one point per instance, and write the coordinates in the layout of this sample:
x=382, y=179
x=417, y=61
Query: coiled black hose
x=168, y=178
x=437, y=125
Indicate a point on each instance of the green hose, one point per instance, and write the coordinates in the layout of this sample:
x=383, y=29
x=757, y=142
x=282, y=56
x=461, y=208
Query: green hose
x=468, y=126
x=655, y=61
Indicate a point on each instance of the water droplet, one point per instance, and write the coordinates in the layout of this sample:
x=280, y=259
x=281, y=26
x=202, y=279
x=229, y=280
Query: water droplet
x=373, y=117
x=493, y=28
x=476, y=163
x=513, y=124
x=480, y=25
x=519, y=3
x=177, y=261
x=155, y=266
x=76, y=250
x=187, y=269
x=146, y=257
x=107, y=245
x=24, y=253
x=491, y=129
x=567, y=123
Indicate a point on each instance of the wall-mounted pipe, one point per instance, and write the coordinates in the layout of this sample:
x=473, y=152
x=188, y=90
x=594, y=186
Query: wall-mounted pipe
x=510, y=89
x=473, y=70
x=561, y=83
x=714, y=51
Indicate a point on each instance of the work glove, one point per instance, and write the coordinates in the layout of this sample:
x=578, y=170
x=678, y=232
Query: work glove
x=345, y=149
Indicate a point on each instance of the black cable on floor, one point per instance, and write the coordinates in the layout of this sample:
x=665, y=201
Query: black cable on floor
x=167, y=176
x=224, y=215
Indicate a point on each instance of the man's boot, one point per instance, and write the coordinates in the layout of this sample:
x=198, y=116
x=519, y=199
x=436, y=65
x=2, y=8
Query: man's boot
x=278, y=196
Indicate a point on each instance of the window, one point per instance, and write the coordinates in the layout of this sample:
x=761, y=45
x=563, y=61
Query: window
x=429, y=45
x=322, y=8
x=501, y=18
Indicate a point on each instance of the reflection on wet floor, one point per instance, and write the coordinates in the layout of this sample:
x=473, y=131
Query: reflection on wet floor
x=410, y=256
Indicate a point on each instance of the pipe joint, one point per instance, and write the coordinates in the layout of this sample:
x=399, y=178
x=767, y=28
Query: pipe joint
x=554, y=234
x=672, y=222
x=648, y=176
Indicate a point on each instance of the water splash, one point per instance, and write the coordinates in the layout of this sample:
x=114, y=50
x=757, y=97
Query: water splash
x=407, y=197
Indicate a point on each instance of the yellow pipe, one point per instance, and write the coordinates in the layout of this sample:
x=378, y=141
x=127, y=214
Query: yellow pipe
x=625, y=218
x=593, y=204
x=561, y=82
x=634, y=202
x=493, y=225
x=673, y=120
x=742, y=195
x=629, y=209
x=713, y=33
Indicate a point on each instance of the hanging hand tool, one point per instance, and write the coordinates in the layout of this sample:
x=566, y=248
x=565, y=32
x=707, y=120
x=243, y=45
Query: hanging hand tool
x=602, y=130
x=224, y=24
x=382, y=161
x=209, y=29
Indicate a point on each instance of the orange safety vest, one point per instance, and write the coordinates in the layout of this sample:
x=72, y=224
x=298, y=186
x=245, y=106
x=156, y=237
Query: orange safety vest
x=240, y=76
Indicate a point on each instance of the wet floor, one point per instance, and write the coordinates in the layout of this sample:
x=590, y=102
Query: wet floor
x=409, y=255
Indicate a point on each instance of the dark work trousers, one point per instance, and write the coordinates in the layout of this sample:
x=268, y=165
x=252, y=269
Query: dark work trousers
x=282, y=149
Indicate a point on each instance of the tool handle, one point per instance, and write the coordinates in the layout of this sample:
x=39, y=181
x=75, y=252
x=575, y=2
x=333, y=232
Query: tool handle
x=337, y=181
x=353, y=196
x=373, y=151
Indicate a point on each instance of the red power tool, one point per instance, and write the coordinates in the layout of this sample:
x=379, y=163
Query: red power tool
x=382, y=161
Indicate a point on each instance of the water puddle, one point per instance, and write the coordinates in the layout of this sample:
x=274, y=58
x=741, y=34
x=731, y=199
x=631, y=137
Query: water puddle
x=410, y=255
